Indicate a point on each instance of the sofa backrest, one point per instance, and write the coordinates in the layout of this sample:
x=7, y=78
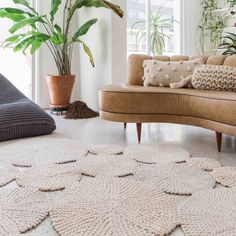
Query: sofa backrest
x=135, y=64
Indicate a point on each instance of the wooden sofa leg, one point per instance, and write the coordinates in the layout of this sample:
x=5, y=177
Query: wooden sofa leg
x=139, y=131
x=219, y=140
x=125, y=125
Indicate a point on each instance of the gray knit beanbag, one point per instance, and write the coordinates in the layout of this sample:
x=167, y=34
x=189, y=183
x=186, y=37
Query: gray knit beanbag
x=20, y=117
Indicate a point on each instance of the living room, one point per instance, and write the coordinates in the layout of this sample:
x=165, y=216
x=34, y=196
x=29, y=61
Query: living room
x=117, y=117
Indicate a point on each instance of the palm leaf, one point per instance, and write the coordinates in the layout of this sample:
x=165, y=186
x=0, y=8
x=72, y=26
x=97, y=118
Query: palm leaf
x=26, y=4
x=87, y=51
x=54, y=8
x=95, y=3
x=84, y=28
x=25, y=22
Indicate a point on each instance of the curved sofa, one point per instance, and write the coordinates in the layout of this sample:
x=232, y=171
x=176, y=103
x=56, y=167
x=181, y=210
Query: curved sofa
x=133, y=103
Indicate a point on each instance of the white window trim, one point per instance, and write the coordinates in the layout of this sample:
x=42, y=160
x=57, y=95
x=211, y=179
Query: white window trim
x=35, y=67
x=182, y=28
x=148, y=27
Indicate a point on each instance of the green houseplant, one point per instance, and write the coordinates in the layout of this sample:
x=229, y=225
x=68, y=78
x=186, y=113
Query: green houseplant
x=231, y=2
x=229, y=44
x=43, y=29
x=212, y=25
x=158, y=24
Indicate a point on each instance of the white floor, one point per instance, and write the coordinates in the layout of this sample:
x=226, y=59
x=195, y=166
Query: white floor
x=200, y=142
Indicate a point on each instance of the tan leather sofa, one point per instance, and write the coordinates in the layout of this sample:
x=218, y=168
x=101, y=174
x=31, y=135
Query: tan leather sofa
x=133, y=103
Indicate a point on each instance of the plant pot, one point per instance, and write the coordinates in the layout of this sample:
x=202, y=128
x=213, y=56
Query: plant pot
x=60, y=90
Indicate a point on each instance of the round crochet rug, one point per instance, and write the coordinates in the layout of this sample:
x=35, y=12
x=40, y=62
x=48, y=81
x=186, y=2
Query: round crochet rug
x=180, y=179
x=43, y=151
x=225, y=176
x=49, y=178
x=113, y=165
x=21, y=209
x=153, y=154
x=113, y=206
x=106, y=149
x=112, y=201
x=207, y=164
x=210, y=212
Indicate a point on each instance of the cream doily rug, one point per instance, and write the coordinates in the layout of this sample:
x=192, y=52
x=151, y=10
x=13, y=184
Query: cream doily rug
x=206, y=164
x=114, y=165
x=210, y=212
x=27, y=153
x=49, y=178
x=175, y=178
x=7, y=174
x=225, y=176
x=20, y=210
x=106, y=149
x=156, y=154
x=141, y=204
x=113, y=206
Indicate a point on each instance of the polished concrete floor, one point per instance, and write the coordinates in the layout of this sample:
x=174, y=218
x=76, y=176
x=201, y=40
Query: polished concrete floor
x=200, y=142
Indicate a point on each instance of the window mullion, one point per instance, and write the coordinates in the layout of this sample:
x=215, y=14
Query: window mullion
x=148, y=27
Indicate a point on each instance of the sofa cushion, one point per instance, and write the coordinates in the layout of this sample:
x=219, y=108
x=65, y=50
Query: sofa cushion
x=162, y=74
x=20, y=117
x=211, y=77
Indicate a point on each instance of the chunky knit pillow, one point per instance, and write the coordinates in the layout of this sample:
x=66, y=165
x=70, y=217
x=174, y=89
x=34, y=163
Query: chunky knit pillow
x=162, y=74
x=211, y=77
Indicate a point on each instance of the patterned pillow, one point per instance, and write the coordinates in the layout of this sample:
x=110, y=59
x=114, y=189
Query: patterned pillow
x=211, y=77
x=162, y=74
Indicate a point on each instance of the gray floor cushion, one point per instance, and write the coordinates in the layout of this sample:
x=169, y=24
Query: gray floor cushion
x=20, y=117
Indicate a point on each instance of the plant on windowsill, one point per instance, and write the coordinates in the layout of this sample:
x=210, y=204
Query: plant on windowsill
x=158, y=36
x=43, y=29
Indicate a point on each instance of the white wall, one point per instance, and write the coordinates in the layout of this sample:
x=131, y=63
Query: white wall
x=107, y=41
x=191, y=16
x=119, y=45
x=99, y=41
x=44, y=64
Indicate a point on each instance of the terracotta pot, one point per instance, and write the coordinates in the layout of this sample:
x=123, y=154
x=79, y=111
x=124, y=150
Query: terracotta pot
x=60, y=89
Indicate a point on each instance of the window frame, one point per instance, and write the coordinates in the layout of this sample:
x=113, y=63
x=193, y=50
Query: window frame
x=179, y=15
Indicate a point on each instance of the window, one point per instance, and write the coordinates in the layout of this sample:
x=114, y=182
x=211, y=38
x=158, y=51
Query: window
x=153, y=27
x=17, y=67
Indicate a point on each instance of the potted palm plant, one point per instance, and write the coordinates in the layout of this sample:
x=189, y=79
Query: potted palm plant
x=43, y=29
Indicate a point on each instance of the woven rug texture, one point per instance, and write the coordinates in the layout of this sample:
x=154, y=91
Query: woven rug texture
x=109, y=190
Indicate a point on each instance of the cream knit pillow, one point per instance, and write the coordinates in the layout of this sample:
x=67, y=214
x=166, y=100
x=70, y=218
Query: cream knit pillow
x=211, y=77
x=162, y=74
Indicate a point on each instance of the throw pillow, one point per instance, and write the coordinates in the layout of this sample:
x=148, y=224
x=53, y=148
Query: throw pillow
x=162, y=74
x=211, y=77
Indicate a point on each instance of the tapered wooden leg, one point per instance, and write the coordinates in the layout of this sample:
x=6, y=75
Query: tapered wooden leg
x=219, y=140
x=139, y=131
x=125, y=125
